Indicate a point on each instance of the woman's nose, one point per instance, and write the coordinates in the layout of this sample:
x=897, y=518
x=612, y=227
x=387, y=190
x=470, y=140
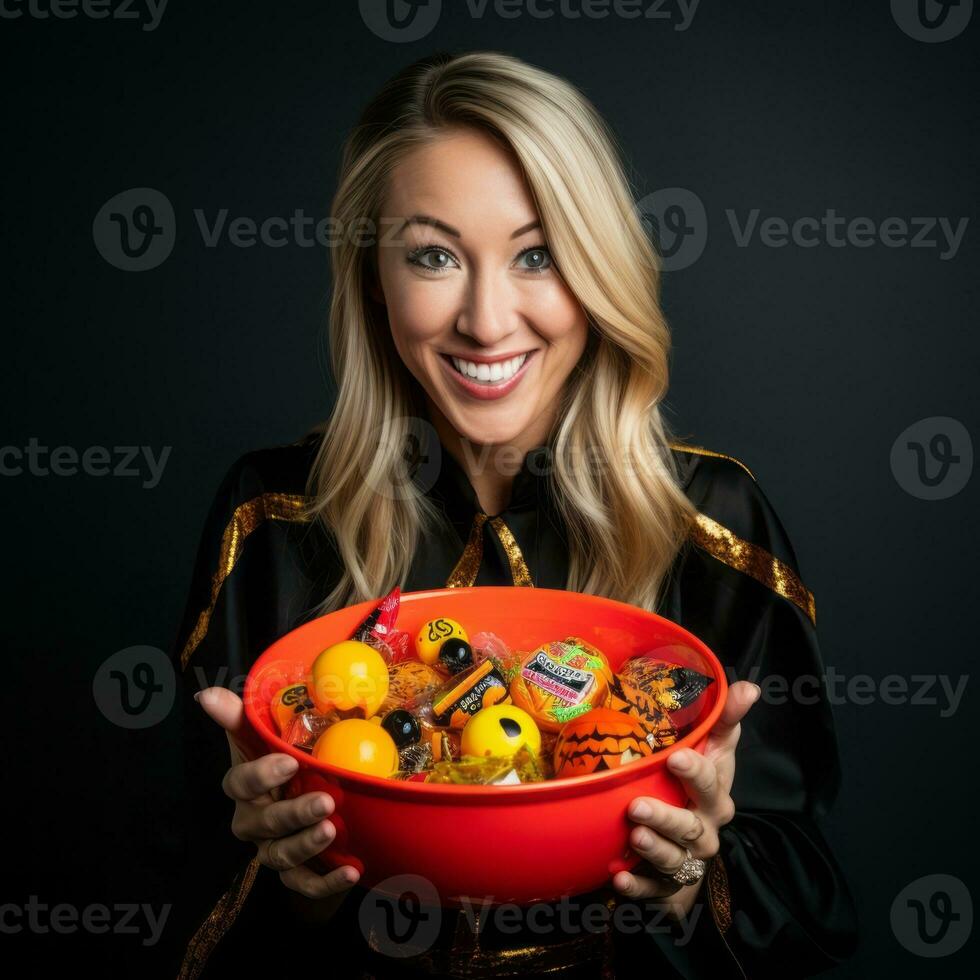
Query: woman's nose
x=489, y=313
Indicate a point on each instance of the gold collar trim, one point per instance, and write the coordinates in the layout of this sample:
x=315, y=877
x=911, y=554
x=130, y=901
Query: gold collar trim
x=465, y=571
x=701, y=451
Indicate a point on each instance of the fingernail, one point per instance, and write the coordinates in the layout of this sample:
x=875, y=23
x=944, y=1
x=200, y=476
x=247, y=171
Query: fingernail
x=324, y=831
x=641, y=811
x=681, y=760
x=758, y=693
x=197, y=695
x=286, y=768
x=321, y=808
x=351, y=875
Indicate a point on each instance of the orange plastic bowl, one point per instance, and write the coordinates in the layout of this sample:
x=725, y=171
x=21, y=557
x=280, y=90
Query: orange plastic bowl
x=526, y=843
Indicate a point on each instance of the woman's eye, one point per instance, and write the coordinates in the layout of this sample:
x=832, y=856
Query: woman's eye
x=535, y=259
x=433, y=259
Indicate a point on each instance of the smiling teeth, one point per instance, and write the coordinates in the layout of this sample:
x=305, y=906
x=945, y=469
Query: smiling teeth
x=489, y=373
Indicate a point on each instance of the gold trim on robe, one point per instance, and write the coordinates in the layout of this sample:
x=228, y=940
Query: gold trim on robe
x=246, y=518
x=465, y=571
x=701, y=451
x=222, y=916
x=754, y=561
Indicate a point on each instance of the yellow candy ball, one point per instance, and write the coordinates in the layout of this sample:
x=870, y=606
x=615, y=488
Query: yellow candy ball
x=500, y=729
x=349, y=675
x=432, y=636
x=358, y=745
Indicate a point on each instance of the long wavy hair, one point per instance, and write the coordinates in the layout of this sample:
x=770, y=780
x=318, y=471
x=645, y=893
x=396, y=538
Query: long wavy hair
x=613, y=477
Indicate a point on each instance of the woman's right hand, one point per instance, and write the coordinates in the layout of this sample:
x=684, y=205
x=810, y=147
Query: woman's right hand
x=286, y=832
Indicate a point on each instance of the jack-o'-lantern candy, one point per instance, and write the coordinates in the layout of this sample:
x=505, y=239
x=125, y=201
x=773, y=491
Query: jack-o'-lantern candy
x=561, y=680
x=358, y=745
x=500, y=730
x=668, y=686
x=631, y=700
x=601, y=739
x=432, y=635
x=349, y=675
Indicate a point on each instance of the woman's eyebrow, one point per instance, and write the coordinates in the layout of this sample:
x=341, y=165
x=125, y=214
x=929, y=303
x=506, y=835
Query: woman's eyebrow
x=425, y=219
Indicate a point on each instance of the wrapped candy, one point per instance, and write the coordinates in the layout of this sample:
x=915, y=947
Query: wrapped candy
x=489, y=646
x=521, y=767
x=453, y=704
x=380, y=622
x=561, y=680
x=656, y=685
x=410, y=683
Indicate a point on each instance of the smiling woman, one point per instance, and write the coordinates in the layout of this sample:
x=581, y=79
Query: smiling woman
x=501, y=359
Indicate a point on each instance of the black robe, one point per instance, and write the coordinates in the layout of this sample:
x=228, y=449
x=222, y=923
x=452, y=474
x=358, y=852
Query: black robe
x=773, y=902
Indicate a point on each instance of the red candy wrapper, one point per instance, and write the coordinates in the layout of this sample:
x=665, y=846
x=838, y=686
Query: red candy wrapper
x=381, y=622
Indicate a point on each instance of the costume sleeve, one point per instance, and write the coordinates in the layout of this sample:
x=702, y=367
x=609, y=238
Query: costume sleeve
x=248, y=587
x=778, y=900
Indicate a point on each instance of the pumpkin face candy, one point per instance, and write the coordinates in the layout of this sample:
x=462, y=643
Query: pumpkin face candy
x=601, y=739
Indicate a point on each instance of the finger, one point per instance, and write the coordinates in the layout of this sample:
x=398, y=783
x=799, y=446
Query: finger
x=664, y=855
x=226, y=708
x=638, y=886
x=265, y=822
x=700, y=779
x=251, y=781
x=741, y=696
x=283, y=853
x=673, y=822
x=301, y=879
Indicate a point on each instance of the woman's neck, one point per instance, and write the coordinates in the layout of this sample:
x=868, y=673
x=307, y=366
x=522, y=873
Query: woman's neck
x=490, y=467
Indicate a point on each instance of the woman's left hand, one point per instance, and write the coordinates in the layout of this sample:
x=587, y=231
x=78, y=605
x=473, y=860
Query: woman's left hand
x=664, y=832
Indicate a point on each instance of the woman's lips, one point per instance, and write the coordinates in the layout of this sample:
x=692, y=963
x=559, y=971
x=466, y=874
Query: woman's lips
x=487, y=390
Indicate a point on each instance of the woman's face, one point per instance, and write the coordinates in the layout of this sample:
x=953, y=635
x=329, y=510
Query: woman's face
x=477, y=309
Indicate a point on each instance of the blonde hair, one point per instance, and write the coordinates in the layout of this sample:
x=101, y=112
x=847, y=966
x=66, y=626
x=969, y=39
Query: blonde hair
x=626, y=518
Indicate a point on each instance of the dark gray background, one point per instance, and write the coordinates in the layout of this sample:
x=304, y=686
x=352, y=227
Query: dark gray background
x=806, y=363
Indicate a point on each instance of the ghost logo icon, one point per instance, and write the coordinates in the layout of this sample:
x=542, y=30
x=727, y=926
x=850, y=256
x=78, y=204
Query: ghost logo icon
x=135, y=230
x=401, y=916
x=933, y=458
x=400, y=20
x=932, y=21
x=933, y=916
x=677, y=223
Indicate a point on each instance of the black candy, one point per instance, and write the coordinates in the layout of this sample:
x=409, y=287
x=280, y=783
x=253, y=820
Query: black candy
x=402, y=726
x=456, y=655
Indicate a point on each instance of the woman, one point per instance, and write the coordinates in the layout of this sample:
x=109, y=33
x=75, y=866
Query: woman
x=501, y=357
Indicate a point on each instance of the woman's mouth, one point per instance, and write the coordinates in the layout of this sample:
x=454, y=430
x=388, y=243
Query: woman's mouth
x=488, y=379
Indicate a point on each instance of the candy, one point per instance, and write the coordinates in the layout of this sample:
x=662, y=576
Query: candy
x=381, y=620
x=402, y=726
x=667, y=686
x=521, y=767
x=602, y=739
x=358, y=745
x=455, y=655
x=561, y=680
x=410, y=683
x=467, y=693
x=414, y=759
x=630, y=700
x=433, y=634
x=305, y=728
x=500, y=730
x=347, y=675
x=289, y=702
